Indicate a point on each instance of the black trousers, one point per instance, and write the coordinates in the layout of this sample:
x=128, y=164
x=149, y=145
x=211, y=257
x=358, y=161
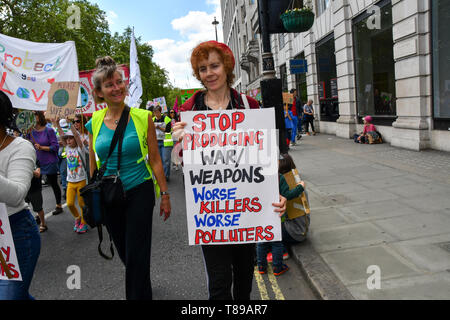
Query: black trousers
x=308, y=120
x=229, y=266
x=131, y=229
x=53, y=181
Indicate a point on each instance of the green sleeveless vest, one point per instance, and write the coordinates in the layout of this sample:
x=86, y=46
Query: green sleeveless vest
x=140, y=119
x=168, y=141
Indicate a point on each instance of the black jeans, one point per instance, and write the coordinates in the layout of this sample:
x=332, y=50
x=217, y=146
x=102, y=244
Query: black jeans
x=227, y=266
x=53, y=181
x=308, y=120
x=131, y=229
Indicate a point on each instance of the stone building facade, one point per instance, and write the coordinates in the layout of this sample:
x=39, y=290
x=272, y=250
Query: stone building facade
x=386, y=58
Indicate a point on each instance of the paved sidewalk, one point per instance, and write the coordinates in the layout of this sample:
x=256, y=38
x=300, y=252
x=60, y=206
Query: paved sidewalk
x=375, y=205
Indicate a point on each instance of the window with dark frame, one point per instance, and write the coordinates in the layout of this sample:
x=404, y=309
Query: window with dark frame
x=375, y=65
x=283, y=76
x=441, y=66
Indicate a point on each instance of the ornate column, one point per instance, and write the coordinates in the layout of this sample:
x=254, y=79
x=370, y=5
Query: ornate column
x=346, y=124
x=412, y=55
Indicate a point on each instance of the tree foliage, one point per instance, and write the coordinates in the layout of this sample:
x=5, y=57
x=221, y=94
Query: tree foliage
x=47, y=21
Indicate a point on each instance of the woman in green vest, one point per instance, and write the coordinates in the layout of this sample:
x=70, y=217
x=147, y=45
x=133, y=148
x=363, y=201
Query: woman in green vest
x=141, y=172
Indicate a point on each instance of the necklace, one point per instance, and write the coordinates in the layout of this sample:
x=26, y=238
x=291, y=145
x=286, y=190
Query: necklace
x=3, y=142
x=220, y=107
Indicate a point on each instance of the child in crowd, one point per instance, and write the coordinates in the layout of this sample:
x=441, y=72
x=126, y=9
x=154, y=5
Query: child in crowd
x=76, y=174
x=285, y=164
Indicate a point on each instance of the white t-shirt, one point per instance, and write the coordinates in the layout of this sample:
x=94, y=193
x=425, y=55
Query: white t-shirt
x=75, y=168
x=17, y=162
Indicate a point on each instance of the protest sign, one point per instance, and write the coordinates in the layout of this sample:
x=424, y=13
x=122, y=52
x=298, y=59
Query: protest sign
x=7, y=249
x=255, y=94
x=161, y=101
x=231, y=175
x=288, y=98
x=62, y=100
x=27, y=70
x=25, y=121
x=187, y=93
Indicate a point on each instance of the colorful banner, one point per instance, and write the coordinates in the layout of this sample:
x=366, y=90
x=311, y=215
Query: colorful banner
x=255, y=94
x=9, y=264
x=231, y=176
x=187, y=93
x=88, y=105
x=161, y=101
x=27, y=70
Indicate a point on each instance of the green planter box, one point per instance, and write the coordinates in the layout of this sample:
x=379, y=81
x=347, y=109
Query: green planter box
x=297, y=21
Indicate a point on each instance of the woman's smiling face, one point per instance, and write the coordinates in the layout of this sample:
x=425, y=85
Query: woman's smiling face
x=114, y=89
x=212, y=72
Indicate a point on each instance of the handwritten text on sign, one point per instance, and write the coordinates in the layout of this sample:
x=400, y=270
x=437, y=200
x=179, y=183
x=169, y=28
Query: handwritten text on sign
x=231, y=176
x=7, y=247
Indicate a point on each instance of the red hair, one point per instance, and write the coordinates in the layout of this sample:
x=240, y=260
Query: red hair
x=202, y=51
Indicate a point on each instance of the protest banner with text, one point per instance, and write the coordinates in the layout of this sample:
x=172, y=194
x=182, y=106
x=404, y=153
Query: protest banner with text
x=9, y=263
x=27, y=70
x=231, y=176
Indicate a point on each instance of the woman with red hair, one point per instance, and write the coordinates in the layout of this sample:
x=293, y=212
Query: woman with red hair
x=227, y=266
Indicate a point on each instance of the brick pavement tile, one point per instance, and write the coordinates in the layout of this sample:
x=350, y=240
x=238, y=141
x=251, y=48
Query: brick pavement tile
x=348, y=236
x=416, y=226
x=427, y=203
x=351, y=265
x=426, y=287
x=377, y=210
x=430, y=254
x=329, y=217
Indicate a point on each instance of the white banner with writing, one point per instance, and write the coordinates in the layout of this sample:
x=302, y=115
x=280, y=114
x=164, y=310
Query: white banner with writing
x=7, y=248
x=27, y=70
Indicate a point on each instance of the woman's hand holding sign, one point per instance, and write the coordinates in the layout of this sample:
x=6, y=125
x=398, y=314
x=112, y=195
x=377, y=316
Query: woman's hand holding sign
x=178, y=130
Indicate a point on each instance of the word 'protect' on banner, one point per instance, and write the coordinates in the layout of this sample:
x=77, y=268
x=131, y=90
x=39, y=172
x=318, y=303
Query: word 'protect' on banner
x=27, y=70
x=7, y=249
x=231, y=175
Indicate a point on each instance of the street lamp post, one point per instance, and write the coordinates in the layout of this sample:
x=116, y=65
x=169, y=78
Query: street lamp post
x=215, y=23
x=271, y=88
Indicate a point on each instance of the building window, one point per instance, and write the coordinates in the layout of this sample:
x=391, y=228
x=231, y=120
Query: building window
x=300, y=81
x=441, y=65
x=283, y=76
x=281, y=40
x=326, y=74
x=374, y=65
x=322, y=5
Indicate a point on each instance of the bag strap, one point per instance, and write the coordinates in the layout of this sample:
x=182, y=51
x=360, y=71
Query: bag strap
x=117, y=137
x=111, y=248
x=245, y=100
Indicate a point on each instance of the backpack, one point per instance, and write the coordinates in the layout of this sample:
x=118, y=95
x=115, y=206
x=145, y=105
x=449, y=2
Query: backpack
x=374, y=137
x=298, y=210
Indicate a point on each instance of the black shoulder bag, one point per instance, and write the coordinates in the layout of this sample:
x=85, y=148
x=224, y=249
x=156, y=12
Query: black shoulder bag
x=103, y=192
